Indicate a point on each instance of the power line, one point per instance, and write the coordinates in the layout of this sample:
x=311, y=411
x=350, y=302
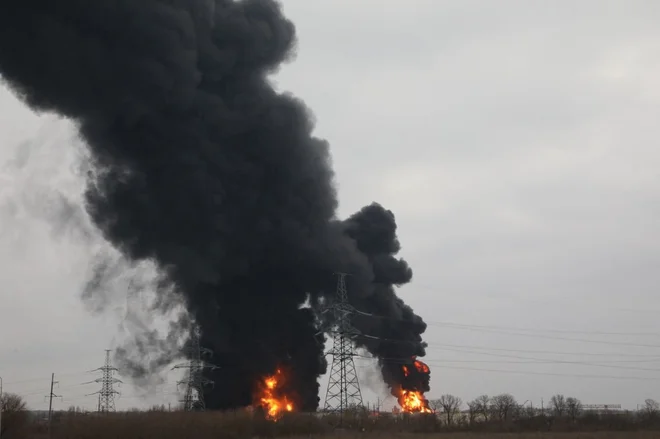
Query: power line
x=522, y=372
x=548, y=337
x=555, y=361
x=537, y=360
x=558, y=331
x=508, y=362
x=532, y=351
x=34, y=380
x=56, y=382
x=534, y=360
x=485, y=329
x=555, y=299
x=511, y=328
x=393, y=340
x=542, y=331
x=479, y=328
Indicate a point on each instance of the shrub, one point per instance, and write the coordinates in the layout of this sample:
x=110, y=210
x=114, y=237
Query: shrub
x=15, y=419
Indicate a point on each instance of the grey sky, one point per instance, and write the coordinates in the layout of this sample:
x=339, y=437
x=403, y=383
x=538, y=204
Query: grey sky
x=514, y=140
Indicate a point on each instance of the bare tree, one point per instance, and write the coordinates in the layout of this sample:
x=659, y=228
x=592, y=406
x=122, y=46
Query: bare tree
x=450, y=406
x=573, y=408
x=526, y=411
x=75, y=411
x=473, y=411
x=14, y=413
x=651, y=409
x=503, y=406
x=435, y=405
x=558, y=403
x=522, y=411
x=12, y=403
x=482, y=406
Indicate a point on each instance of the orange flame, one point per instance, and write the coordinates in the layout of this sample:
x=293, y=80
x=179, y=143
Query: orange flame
x=421, y=367
x=413, y=401
x=268, y=398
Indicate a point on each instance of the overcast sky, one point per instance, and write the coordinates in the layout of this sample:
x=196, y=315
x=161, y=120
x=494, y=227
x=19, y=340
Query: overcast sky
x=516, y=143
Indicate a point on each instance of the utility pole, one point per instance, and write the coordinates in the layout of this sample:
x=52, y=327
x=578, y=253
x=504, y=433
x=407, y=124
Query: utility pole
x=50, y=403
x=107, y=381
x=343, y=389
x=195, y=381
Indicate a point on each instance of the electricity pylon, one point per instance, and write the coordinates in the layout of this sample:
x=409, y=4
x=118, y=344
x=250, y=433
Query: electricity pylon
x=195, y=381
x=343, y=387
x=107, y=381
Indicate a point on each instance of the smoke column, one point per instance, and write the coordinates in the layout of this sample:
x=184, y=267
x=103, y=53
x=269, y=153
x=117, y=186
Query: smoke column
x=201, y=167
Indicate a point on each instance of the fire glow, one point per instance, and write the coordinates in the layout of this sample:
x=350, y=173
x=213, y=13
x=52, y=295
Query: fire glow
x=269, y=397
x=411, y=400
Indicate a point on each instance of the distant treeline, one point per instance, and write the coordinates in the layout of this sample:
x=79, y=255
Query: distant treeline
x=561, y=413
x=485, y=414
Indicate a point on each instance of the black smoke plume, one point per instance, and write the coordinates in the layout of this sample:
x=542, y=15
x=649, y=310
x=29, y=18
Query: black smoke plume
x=200, y=166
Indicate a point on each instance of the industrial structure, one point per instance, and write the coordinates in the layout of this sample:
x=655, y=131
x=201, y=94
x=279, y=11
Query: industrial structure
x=195, y=381
x=343, y=390
x=107, y=392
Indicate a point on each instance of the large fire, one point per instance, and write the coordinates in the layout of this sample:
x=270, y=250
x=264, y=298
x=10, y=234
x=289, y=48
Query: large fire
x=269, y=396
x=411, y=400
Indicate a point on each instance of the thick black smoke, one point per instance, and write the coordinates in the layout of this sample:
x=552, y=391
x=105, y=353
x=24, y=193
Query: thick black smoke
x=200, y=166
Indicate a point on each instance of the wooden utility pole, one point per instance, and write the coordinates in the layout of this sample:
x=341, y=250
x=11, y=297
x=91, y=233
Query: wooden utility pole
x=50, y=404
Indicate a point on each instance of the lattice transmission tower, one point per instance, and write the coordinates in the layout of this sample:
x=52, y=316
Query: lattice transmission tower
x=107, y=381
x=193, y=399
x=343, y=387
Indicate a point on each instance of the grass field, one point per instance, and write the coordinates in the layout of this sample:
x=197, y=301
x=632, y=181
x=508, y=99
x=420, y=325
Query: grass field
x=193, y=434
x=158, y=424
x=178, y=425
x=595, y=435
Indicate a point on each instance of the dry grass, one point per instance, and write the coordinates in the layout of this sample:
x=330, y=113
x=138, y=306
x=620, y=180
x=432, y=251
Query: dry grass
x=180, y=425
x=596, y=435
x=199, y=432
